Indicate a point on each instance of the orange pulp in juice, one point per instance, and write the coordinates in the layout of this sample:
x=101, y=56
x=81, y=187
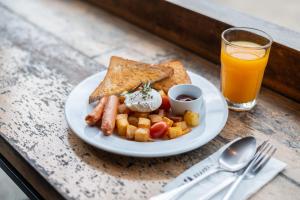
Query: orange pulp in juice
x=242, y=70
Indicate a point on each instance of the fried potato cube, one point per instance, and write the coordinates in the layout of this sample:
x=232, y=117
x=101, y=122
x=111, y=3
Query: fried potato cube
x=176, y=118
x=122, y=116
x=174, y=132
x=130, y=131
x=122, y=98
x=185, y=131
x=162, y=112
x=182, y=125
x=168, y=121
x=144, y=123
x=122, y=109
x=191, y=118
x=122, y=126
x=155, y=118
x=141, y=114
x=142, y=135
x=133, y=120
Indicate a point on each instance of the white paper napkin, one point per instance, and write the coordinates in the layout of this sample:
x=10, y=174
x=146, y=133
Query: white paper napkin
x=246, y=188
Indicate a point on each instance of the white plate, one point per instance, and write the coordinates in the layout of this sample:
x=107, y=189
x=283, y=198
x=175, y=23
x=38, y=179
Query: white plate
x=213, y=118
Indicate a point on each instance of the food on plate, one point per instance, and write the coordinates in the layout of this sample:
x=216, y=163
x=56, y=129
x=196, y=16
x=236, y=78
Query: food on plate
x=185, y=131
x=174, y=132
x=133, y=98
x=122, y=115
x=144, y=100
x=133, y=120
x=165, y=103
x=96, y=114
x=191, y=118
x=130, y=131
x=168, y=121
x=183, y=125
x=175, y=118
x=109, y=115
x=122, y=124
x=161, y=112
x=144, y=123
x=158, y=129
x=141, y=114
x=179, y=76
x=155, y=118
x=125, y=75
x=142, y=135
x=122, y=108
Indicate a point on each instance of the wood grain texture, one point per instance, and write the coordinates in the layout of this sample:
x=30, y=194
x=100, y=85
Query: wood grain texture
x=197, y=25
x=39, y=65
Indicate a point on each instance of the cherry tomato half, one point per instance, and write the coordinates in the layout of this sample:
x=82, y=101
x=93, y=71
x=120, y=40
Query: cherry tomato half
x=165, y=104
x=158, y=129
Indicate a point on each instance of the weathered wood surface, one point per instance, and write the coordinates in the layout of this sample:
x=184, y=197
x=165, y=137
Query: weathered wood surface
x=47, y=47
x=197, y=25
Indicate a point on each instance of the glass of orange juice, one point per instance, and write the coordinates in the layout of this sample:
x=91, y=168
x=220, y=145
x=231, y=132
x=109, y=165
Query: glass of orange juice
x=244, y=56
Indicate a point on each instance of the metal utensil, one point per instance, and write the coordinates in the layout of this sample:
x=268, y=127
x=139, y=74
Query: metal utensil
x=263, y=155
x=251, y=174
x=233, y=158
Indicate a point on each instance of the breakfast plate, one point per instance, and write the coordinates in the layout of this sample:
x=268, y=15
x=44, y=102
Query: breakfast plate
x=213, y=117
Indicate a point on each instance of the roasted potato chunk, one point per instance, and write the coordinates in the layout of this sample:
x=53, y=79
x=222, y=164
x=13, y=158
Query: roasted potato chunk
x=182, y=125
x=122, y=124
x=185, y=131
x=142, y=135
x=144, y=123
x=168, y=121
x=122, y=109
x=176, y=118
x=174, y=132
x=133, y=120
x=130, y=131
x=155, y=118
x=121, y=116
x=122, y=98
x=141, y=114
x=191, y=118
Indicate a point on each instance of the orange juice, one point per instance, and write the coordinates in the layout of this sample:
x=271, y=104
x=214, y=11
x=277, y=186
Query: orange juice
x=242, y=70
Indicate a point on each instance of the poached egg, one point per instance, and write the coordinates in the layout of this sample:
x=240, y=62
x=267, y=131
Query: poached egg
x=143, y=101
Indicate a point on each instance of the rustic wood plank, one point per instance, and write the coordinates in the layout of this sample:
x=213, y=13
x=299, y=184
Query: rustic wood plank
x=39, y=65
x=197, y=25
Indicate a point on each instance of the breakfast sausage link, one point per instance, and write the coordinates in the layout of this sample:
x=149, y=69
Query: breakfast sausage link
x=96, y=114
x=109, y=115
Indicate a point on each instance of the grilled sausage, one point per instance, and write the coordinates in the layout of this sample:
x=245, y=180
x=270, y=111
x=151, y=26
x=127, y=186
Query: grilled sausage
x=109, y=115
x=96, y=114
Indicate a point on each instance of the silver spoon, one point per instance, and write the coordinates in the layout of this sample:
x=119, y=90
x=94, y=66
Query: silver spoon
x=233, y=158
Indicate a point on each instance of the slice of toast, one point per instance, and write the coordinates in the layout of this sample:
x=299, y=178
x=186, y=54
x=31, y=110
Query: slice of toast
x=124, y=75
x=180, y=76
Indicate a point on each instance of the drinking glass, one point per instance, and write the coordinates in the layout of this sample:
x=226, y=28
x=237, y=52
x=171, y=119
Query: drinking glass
x=244, y=56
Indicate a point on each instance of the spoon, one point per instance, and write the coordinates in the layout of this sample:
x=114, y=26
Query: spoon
x=235, y=157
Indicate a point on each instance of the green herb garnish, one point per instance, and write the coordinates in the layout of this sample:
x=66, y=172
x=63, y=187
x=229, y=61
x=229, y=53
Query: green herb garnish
x=145, y=91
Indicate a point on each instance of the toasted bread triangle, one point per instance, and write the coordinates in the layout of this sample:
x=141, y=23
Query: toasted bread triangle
x=179, y=76
x=124, y=75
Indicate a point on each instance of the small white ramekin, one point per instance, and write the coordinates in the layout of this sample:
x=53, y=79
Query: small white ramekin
x=179, y=107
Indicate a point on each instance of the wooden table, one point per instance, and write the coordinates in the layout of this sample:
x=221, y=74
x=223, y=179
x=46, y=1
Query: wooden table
x=47, y=47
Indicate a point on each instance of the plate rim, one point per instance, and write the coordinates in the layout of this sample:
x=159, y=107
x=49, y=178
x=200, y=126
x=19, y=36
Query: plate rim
x=150, y=155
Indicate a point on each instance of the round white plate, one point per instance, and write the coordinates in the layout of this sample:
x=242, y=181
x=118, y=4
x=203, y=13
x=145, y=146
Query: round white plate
x=213, y=118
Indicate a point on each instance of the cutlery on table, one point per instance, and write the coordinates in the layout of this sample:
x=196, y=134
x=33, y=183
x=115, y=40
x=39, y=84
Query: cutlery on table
x=251, y=174
x=262, y=156
x=235, y=157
